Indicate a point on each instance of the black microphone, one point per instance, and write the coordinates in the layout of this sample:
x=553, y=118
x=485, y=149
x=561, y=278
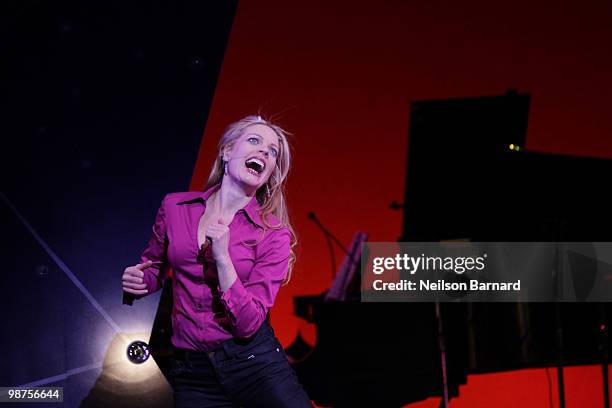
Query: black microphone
x=200, y=258
x=128, y=299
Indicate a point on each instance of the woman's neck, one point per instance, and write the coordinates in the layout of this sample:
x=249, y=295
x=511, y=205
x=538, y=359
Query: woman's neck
x=230, y=198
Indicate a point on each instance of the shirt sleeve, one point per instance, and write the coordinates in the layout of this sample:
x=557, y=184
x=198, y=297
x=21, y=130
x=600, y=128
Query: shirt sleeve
x=248, y=303
x=156, y=251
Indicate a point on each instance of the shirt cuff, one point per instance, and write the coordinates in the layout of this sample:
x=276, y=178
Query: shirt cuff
x=150, y=280
x=234, y=298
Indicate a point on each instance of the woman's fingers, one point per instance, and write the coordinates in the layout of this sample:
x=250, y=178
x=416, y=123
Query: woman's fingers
x=132, y=279
x=133, y=271
x=135, y=291
x=220, y=236
x=133, y=274
x=144, y=265
x=216, y=231
x=133, y=285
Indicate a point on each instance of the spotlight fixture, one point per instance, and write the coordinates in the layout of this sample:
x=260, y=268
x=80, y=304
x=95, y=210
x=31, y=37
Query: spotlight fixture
x=138, y=352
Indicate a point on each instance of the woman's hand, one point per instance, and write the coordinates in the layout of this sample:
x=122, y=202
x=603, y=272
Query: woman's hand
x=133, y=281
x=220, y=236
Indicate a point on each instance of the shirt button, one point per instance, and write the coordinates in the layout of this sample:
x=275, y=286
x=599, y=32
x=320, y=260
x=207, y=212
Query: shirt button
x=199, y=305
x=200, y=326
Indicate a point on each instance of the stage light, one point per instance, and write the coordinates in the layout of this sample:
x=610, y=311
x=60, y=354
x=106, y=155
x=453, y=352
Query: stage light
x=138, y=352
x=119, y=368
x=131, y=384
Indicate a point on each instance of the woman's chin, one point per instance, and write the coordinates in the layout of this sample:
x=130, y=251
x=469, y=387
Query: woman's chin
x=251, y=182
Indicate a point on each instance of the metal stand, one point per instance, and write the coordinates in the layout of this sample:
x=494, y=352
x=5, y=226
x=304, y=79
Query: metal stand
x=329, y=238
x=603, y=330
x=559, y=327
x=442, y=346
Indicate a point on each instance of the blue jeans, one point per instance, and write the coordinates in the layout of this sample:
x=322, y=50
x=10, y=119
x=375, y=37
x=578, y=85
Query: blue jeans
x=251, y=372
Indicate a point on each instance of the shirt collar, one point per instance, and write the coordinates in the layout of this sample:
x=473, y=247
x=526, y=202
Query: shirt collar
x=252, y=208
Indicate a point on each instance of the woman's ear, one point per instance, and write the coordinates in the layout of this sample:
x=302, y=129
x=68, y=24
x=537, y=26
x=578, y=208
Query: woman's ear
x=225, y=152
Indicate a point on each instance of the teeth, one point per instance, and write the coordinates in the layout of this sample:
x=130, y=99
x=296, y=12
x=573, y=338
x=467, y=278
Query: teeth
x=256, y=161
x=255, y=165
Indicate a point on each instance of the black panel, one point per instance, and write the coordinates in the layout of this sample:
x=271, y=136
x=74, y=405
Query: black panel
x=464, y=182
x=106, y=105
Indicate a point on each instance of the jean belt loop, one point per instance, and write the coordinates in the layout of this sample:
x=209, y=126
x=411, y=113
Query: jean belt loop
x=269, y=329
x=224, y=347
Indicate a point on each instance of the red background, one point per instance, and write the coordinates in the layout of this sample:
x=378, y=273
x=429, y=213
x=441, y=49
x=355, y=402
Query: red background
x=340, y=76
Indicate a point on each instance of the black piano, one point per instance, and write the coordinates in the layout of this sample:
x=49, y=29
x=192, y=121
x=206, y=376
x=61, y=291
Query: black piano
x=468, y=177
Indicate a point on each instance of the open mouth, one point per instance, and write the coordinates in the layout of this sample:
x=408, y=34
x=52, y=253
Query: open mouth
x=255, y=166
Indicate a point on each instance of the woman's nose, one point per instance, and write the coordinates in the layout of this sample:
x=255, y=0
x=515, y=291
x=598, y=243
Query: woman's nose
x=267, y=153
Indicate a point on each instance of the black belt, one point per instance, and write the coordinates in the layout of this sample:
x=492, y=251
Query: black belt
x=185, y=354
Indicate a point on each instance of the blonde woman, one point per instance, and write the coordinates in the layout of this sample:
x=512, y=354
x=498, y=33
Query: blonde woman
x=231, y=249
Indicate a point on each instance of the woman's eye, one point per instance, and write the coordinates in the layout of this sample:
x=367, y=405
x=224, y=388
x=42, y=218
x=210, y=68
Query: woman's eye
x=253, y=140
x=273, y=152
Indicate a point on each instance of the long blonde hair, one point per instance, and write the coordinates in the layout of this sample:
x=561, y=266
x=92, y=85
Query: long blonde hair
x=271, y=196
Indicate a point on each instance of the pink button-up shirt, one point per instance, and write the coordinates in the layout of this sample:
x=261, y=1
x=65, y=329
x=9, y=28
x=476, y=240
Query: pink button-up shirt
x=203, y=316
